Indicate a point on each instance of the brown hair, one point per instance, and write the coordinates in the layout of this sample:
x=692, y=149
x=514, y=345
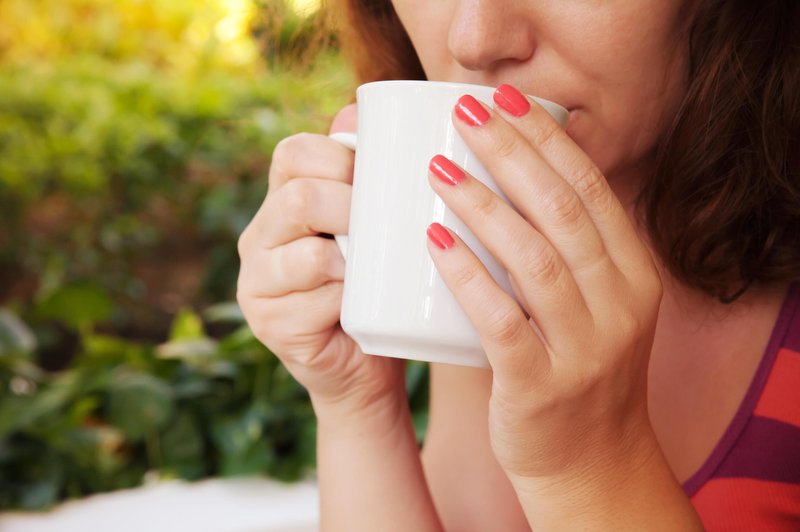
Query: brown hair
x=723, y=206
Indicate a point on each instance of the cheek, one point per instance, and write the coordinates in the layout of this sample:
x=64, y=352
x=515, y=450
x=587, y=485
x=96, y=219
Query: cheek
x=615, y=143
x=629, y=64
x=627, y=115
x=622, y=134
x=421, y=19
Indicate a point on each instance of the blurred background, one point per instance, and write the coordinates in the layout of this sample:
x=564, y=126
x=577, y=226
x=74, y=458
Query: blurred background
x=135, y=138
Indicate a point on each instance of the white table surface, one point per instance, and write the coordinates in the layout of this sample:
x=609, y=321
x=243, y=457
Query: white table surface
x=215, y=505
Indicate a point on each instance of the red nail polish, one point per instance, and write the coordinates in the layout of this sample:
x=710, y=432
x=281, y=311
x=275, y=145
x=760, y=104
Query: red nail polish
x=445, y=170
x=470, y=111
x=511, y=100
x=440, y=236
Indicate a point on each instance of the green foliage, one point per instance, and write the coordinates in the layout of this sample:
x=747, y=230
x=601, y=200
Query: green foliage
x=112, y=174
x=123, y=408
x=135, y=139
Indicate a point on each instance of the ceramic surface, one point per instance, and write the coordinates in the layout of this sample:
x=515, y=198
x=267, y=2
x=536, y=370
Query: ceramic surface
x=394, y=302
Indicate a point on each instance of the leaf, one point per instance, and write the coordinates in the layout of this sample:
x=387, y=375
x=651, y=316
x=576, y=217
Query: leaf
x=81, y=408
x=19, y=413
x=228, y=311
x=191, y=387
x=77, y=305
x=111, y=347
x=236, y=434
x=307, y=443
x=242, y=346
x=87, y=445
x=188, y=349
x=20, y=365
x=40, y=495
x=41, y=482
x=187, y=325
x=139, y=403
x=420, y=420
x=14, y=415
x=243, y=447
x=249, y=461
x=14, y=334
x=416, y=372
x=182, y=449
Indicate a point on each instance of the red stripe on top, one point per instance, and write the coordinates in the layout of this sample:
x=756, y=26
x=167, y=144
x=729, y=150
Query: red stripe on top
x=786, y=326
x=748, y=504
x=779, y=400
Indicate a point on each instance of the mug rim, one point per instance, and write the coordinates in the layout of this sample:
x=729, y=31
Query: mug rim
x=556, y=110
x=438, y=83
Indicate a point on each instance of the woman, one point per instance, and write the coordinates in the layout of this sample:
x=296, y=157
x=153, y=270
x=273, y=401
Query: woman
x=654, y=246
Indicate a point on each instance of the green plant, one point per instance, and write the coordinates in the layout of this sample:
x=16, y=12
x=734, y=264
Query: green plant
x=190, y=407
x=139, y=182
x=128, y=168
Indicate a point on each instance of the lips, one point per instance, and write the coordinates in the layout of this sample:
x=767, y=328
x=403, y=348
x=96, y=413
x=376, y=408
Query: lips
x=526, y=88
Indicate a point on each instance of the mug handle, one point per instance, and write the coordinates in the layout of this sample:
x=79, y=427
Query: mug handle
x=348, y=140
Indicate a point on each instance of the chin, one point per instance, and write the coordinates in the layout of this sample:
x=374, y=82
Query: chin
x=580, y=130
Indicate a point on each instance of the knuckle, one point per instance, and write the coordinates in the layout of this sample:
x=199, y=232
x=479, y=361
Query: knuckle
x=286, y=153
x=343, y=168
x=297, y=200
x=465, y=276
x=241, y=297
x=505, y=146
x=243, y=243
x=629, y=326
x=262, y=332
x=485, y=203
x=565, y=206
x=257, y=320
x=505, y=326
x=544, y=267
x=304, y=139
x=282, y=156
x=591, y=186
x=545, y=132
x=318, y=257
x=288, y=149
x=656, y=287
x=628, y=321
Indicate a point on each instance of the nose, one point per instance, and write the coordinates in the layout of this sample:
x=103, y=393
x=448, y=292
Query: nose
x=485, y=32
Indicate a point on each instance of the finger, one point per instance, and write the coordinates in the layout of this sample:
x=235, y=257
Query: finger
x=302, y=207
x=568, y=160
x=310, y=155
x=293, y=319
x=523, y=301
x=540, y=194
x=303, y=264
x=346, y=120
x=548, y=288
x=516, y=354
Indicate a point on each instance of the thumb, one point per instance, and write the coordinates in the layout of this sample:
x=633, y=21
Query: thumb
x=346, y=120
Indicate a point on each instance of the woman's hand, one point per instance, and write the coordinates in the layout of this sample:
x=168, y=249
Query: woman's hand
x=570, y=363
x=290, y=281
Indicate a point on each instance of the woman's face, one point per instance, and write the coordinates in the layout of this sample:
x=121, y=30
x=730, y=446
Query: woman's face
x=617, y=65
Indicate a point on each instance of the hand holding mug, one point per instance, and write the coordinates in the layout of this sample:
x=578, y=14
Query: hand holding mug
x=570, y=353
x=290, y=281
x=394, y=302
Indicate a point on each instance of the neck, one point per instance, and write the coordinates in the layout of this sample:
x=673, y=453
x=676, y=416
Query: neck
x=693, y=325
x=704, y=352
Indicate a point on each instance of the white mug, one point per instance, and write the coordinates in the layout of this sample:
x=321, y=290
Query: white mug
x=394, y=302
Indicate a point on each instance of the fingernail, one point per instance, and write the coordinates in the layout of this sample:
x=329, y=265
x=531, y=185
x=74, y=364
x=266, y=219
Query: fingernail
x=470, y=111
x=445, y=170
x=439, y=236
x=511, y=100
